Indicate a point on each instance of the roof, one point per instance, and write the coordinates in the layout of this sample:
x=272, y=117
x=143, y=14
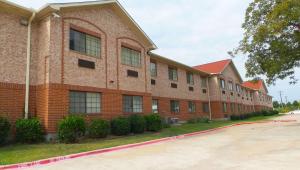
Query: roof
x=54, y=7
x=175, y=63
x=15, y=8
x=255, y=84
x=214, y=67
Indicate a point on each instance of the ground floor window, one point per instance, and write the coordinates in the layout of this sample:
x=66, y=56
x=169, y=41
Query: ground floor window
x=154, y=106
x=174, y=106
x=132, y=104
x=192, y=107
x=84, y=102
x=232, y=108
x=239, y=108
x=224, y=107
x=205, y=107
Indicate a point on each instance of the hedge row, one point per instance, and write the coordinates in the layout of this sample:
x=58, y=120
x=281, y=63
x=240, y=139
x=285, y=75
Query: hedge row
x=254, y=114
x=72, y=127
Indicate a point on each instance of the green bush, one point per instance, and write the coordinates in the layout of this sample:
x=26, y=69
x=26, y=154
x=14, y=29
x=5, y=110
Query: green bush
x=198, y=120
x=153, y=122
x=29, y=131
x=4, y=129
x=120, y=126
x=137, y=123
x=71, y=128
x=99, y=128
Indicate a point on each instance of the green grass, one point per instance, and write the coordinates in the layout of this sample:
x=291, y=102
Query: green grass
x=17, y=153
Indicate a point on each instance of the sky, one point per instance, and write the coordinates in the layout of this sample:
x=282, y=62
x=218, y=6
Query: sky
x=193, y=32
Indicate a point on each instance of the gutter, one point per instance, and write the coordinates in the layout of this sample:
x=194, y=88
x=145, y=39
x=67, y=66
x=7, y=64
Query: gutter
x=28, y=66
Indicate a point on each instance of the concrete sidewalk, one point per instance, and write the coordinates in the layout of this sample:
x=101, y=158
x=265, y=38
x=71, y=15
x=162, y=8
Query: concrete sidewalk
x=256, y=146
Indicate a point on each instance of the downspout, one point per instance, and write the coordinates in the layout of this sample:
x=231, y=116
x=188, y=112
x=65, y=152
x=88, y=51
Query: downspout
x=209, y=105
x=28, y=66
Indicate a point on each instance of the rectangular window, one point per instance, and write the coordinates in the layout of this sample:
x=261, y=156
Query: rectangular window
x=222, y=83
x=190, y=78
x=224, y=107
x=153, y=69
x=238, y=88
x=203, y=82
x=239, y=108
x=84, y=102
x=130, y=57
x=173, y=74
x=205, y=107
x=174, y=104
x=132, y=104
x=192, y=107
x=85, y=43
x=230, y=85
x=154, y=106
x=232, y=107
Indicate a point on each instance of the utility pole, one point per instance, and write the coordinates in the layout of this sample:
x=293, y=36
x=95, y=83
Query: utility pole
x=280, y=93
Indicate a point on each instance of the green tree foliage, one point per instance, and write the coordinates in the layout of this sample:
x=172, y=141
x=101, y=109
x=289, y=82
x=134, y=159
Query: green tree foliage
x=271, y=39
x=295, y=103
x=276, y=104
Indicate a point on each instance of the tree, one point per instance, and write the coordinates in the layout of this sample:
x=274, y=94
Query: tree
x=271, y=39
x=276, y=104
x=295, y=103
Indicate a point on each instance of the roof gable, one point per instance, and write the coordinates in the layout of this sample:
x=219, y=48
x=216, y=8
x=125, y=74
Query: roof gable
x=256, y=85
x=214, y=67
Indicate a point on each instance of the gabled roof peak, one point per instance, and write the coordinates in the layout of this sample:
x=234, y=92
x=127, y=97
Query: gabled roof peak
x=216, y=67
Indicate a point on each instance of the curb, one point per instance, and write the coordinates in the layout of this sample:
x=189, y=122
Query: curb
x=122, y=147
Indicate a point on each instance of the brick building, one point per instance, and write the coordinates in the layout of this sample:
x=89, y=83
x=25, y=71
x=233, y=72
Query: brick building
x=93, y=58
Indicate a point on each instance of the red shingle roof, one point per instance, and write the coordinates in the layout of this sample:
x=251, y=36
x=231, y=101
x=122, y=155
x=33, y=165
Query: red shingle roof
x=214, y=67
x=256, y=85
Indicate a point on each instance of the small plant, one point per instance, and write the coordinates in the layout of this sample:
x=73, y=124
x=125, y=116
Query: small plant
x=29, y=131
x=120, y=126
x=4, y=129
x=137, y=123
x=99, y=128
x=71, y=128
x=153, y=122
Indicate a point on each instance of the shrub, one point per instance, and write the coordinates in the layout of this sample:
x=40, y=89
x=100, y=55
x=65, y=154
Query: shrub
x=137, y=123
x=153, y=122
x=99, y=128
x=198, y=120
x=71, y=128
x=4, y=129
x=29, y=131
x=120, y=126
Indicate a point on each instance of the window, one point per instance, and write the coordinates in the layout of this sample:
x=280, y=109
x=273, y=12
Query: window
x=224, y=107
x=84, y=102
x=192, y=107
x=232, y=107
x=239, y=107
x=174, y=106
x=222, y=83
x=190, y=78
x=154, y=106
x=85, y=43
x=238, y=88
x=173, y=74
x=132, y=104
x=131, y=57
x=153, y=69
x=205, y=107
x=203, y=82
x=230, y=85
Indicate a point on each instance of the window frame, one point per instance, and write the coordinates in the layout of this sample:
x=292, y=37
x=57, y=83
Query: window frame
x=131, y=59
x=84, y=102
x=203, y=79
x=157, y=110
x=153, y=74
x=230, y=85
x=190, y=78
x=86, y=34
x=171, y=71
x=191, y=106
x=205, y=105
x=175, y=103
x=131, y=108
x=222, y=83
x=224, y=107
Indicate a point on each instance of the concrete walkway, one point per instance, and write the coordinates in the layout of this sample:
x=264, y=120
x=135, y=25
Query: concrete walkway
x=257, y=146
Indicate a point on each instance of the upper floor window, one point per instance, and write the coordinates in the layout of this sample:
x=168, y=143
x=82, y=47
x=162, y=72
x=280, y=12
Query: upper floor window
x=203, y=82
x=173, y=74
x=84, y=102
x=153, y=69
x=230, y=85
x=190, y=78
x=85, y=43
x=174, y=104
x=131, y=57
x=132, y=104
x=222, y=83
x=192, y=107
x=238, y=88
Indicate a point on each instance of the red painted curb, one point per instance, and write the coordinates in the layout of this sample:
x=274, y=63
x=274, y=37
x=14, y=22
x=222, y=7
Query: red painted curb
x=88, y=153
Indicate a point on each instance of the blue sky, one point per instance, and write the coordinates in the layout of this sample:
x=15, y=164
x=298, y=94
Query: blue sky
x=192, y=31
